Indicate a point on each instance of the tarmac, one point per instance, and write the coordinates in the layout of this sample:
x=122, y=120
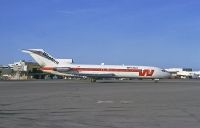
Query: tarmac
x=105, y=104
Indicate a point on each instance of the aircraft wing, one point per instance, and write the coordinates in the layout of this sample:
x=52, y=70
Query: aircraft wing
x=57, y=73
x=98, y=75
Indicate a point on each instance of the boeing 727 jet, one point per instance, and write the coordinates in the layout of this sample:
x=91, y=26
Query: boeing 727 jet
x=66, y=67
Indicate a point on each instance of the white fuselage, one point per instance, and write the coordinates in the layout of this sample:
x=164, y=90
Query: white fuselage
x=110, y=71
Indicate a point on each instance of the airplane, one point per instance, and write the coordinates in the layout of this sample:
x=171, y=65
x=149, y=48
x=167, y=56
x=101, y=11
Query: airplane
x=66, y=67
x=196, y=73
x=183, y=73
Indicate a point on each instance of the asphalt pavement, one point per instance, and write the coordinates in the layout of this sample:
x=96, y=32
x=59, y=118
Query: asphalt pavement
x=105, y=104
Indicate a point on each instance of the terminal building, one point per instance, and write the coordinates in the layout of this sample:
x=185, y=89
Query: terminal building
x=23, y=70
x=5, y=72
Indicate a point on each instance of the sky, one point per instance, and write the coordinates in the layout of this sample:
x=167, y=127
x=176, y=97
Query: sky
x=163, y=33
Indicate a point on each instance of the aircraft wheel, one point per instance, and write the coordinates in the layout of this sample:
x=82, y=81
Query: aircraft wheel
x=156, y=80
x=93, y=80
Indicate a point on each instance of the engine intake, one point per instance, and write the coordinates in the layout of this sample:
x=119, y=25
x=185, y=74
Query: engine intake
x=62, y=69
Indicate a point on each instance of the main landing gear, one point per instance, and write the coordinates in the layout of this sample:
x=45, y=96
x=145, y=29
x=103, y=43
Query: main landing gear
x=93, y=80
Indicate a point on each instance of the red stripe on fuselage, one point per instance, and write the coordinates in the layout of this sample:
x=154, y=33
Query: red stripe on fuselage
x=47, y=68
x=142, y=72
x=106, y=69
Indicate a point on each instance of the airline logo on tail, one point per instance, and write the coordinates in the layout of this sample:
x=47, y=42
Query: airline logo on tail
x=46, y=55
x=42, y=53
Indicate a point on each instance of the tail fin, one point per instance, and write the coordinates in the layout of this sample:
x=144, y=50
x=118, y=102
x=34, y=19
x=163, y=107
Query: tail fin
x=42, y=57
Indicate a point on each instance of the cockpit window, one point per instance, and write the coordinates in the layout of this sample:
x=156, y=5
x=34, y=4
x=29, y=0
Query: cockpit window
x=163, y=70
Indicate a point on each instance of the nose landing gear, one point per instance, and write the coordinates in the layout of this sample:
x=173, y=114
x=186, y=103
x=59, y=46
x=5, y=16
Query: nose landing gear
x=156, y=80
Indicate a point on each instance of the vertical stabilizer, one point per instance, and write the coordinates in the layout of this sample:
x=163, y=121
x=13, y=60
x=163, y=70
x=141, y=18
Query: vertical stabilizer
x=42, y=57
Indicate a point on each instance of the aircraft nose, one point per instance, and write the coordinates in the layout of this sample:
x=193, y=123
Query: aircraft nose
x=167, y=75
